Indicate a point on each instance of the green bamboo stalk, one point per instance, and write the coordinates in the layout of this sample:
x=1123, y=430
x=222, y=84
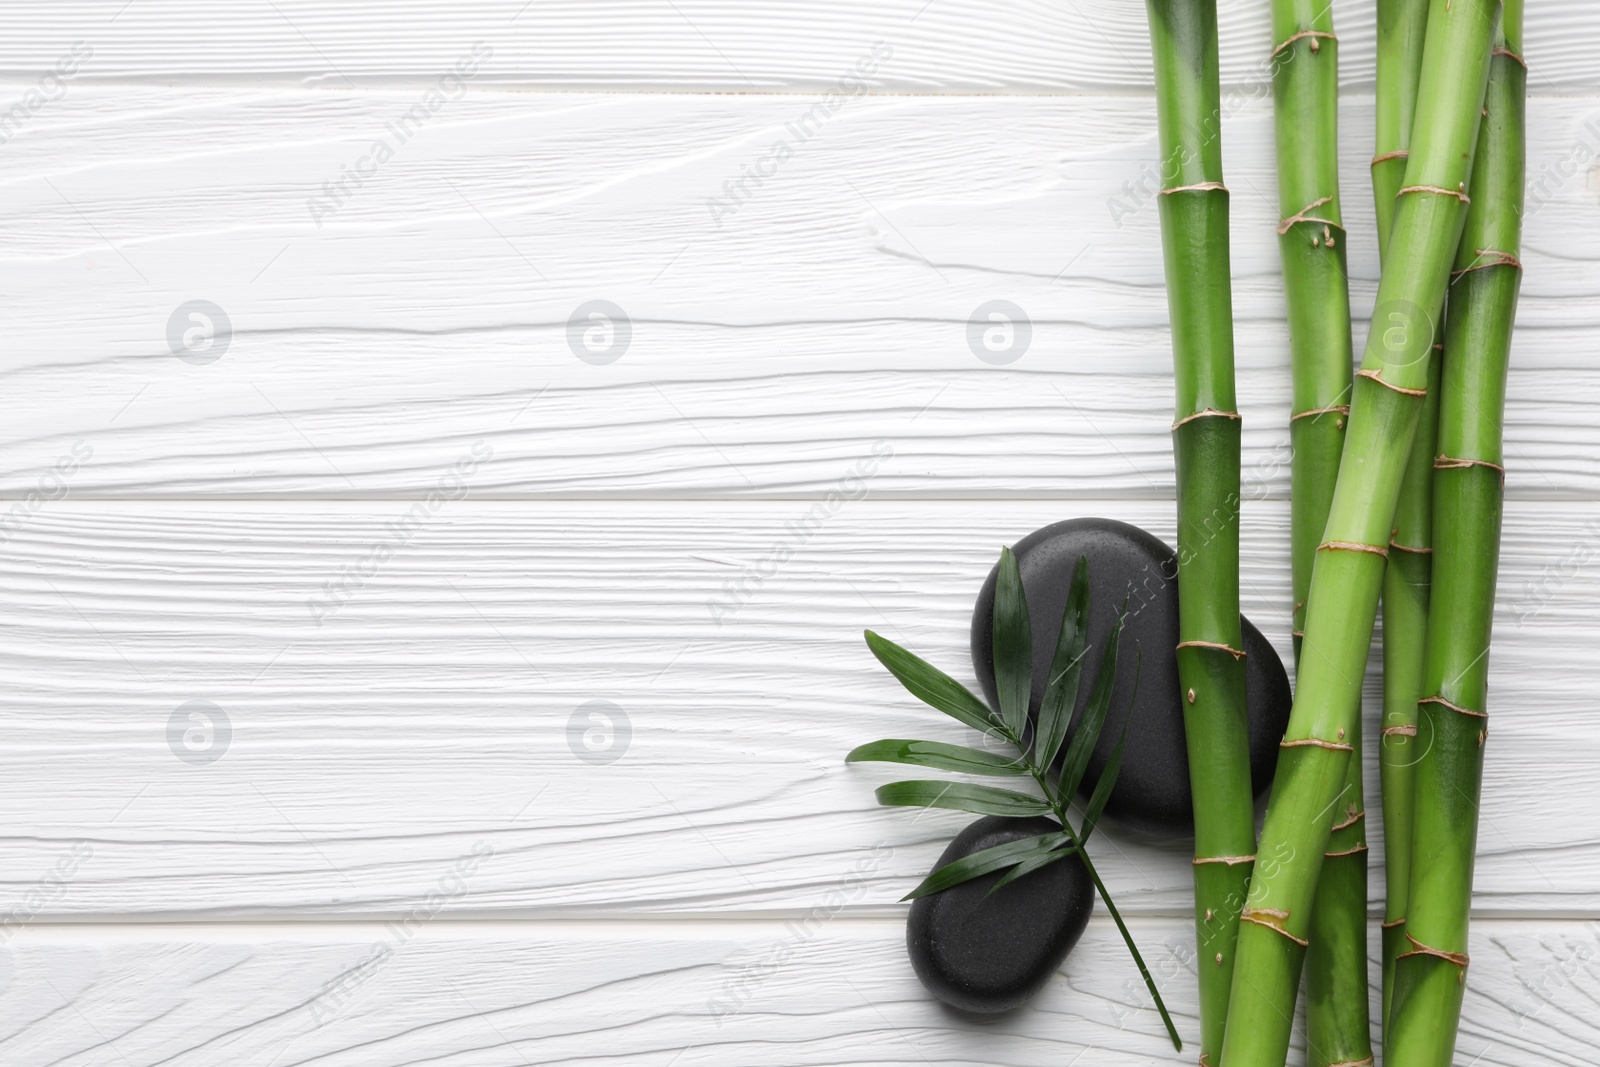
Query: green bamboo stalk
x=1386, y=401
x=1311, y=243
x=1206, y=443
x=1406, y=583
x=1468, y=481
x=1401, y=28
x=1401, y=25
x=1338, y=1029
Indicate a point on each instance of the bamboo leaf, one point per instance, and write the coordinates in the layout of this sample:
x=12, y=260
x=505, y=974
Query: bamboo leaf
x=985, y=862
x=1013, y=662
x=940, y=756
x=1033, y=863
x=961, y=796
x=932, y=686
x=1066, y=668
x=1094, y=713
x=1013, y=645
x=1108, y=777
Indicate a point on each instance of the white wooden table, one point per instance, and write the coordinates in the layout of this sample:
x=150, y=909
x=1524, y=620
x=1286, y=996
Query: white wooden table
x=308, y=610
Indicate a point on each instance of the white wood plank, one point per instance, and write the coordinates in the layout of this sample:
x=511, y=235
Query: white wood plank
x=432, y=710
x=779, y=45
x=828, y=312
x=823, y=991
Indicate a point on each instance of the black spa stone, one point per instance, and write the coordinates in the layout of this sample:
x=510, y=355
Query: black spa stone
x=989, y=955
x=1152, y=790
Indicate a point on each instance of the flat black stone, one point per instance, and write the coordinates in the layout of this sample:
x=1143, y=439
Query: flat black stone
x=1152, y=791
x=992, y=955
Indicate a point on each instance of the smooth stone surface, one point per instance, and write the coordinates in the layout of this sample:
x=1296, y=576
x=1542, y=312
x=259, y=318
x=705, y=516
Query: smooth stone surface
x=1152, y=791
x=992, y=955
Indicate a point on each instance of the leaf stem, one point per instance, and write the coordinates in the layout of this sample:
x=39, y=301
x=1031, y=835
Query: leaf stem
x=1059, y=808
x=1150, y=982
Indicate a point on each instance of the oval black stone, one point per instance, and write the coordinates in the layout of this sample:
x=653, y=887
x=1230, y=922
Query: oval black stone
x=1152, y=790
x=992, y=955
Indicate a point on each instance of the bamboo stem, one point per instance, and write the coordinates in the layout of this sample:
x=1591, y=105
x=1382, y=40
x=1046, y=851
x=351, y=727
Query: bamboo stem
x=1401, y=28
x=1406, y=583
x=1468, y=480
x=1312, y=245
x=1346, y=578
x=1206, y=444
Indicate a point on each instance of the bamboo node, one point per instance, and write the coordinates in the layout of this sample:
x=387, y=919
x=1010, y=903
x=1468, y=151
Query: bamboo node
x=1197, y=187
x=1347, y=852
x=1459, y=194
x=1392, y=923
x=1336, y=409
x=1351, y=821
x=1509, y=54
x=1272, y=919
x=1453, y=707
x=1384, y=157
x=1313, y=34
x=1236, y=653
x=1377, y=376
x=1448, y=463
x=1421, y=550
x=1488, y=257
x=1353, y=546
x=1408, y=730
x=1316, y=742
x=1353, y=1063
x=1231, y=861
x=1207, y=413
x=1285, y=225
x=1297, y=633
x=1457, y=958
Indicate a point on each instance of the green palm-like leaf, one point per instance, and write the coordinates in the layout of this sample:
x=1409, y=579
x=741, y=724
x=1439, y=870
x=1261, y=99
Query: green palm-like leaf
x=1033, y=863
x=1013, y=656
x=961, y=796
x=1013, y=645
x=932, y=686
x=1066, y=668
x=985, y=862
x=940, y=756
x=1108, y=777
x=1094, y=713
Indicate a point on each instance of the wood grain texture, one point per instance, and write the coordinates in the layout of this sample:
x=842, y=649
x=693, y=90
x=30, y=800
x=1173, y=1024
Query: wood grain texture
x=441, y=703
x=822, y=991
x=769, y=346
x=405, y=705
x=781, y=45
